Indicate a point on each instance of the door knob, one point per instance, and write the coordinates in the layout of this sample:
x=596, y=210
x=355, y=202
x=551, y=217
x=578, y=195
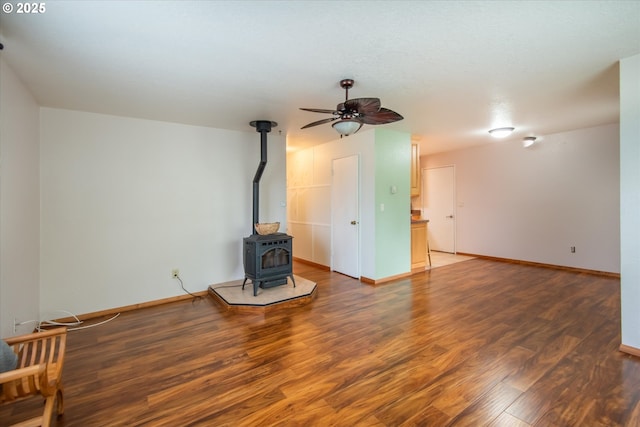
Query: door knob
x=449, y=216
x=353, y=222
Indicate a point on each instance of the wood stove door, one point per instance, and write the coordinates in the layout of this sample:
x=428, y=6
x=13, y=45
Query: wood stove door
x=345, y=226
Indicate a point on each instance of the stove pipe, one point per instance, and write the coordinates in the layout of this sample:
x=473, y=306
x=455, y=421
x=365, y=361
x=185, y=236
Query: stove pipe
x=262, y=126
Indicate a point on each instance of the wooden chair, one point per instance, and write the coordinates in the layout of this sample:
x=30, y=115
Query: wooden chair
x=39, y=372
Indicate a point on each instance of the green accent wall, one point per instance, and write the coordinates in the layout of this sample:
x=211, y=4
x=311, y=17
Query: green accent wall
x=393, y=225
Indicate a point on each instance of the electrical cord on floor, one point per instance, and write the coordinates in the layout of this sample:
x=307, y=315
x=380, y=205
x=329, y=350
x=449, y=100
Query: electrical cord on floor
x=71, y=326
x=51, y=322
x=75, y=325
x=195, y=297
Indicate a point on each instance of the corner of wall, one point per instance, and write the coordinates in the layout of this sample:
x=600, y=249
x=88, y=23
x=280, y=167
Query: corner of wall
x=19, y=203
x=392, y=203
x=630, y=201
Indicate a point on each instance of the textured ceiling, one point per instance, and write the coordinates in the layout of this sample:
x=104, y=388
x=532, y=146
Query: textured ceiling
x=453, y=69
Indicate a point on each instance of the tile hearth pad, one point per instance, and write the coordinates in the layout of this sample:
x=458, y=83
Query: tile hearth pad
x=232, y=295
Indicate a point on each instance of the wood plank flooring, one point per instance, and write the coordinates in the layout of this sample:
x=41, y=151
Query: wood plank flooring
x=478, y=343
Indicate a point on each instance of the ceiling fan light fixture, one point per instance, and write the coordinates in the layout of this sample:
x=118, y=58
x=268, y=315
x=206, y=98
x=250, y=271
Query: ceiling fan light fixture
x=353, y=113
x=347, y=126
x=528, y=141
x=501, y=132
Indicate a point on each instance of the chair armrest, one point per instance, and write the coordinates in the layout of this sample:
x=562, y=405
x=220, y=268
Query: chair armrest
x=24, y=382
x=27, y=381
x=20, y=373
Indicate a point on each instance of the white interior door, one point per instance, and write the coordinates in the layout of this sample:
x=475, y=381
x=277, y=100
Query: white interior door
x=345, y=220
x=438, y=205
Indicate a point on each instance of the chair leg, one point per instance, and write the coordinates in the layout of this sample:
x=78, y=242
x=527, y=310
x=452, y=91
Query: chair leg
x=429, y=251
x=48, y=410
x=59, y=402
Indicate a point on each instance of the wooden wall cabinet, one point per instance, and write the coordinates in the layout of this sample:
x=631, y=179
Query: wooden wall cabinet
x=418, y=245
x=415, y=170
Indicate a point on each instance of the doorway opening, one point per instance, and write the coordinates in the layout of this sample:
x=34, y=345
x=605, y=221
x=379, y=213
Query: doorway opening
x=438, y=205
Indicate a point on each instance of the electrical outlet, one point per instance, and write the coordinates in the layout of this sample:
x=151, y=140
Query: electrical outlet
x=573, y=249
x=175, y=273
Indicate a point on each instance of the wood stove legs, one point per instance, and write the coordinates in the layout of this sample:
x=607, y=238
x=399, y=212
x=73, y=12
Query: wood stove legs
x=259, y=283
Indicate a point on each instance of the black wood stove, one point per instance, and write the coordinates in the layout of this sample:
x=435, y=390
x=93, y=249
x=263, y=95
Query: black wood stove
x=268, y=259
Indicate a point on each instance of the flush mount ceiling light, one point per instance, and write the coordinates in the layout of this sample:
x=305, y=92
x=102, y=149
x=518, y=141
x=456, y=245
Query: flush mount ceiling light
x=501, y=132
x=528, y=141
x=347, y=127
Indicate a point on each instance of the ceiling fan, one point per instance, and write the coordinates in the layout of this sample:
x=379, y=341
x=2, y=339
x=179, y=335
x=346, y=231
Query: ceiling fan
x=353, y=113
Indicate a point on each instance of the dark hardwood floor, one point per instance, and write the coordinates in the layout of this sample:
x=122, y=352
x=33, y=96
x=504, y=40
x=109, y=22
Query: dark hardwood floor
x=470, y=344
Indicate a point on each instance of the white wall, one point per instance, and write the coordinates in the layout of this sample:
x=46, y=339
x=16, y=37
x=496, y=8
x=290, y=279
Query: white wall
x=19, y=204
x=124, y=201
x=630, y=199
x=309, y=194
x=534, y=204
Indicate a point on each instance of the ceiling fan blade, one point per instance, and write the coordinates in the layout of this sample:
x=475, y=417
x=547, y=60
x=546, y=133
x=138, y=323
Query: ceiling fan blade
x=383, y=116
x=319, y=110
x=363, y=105
x=320, y=122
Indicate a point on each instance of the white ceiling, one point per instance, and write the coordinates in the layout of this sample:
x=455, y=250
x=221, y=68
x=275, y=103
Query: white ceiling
x=453, y=69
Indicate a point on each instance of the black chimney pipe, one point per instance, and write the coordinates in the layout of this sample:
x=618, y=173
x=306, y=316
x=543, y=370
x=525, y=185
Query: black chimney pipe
x=262, y=126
